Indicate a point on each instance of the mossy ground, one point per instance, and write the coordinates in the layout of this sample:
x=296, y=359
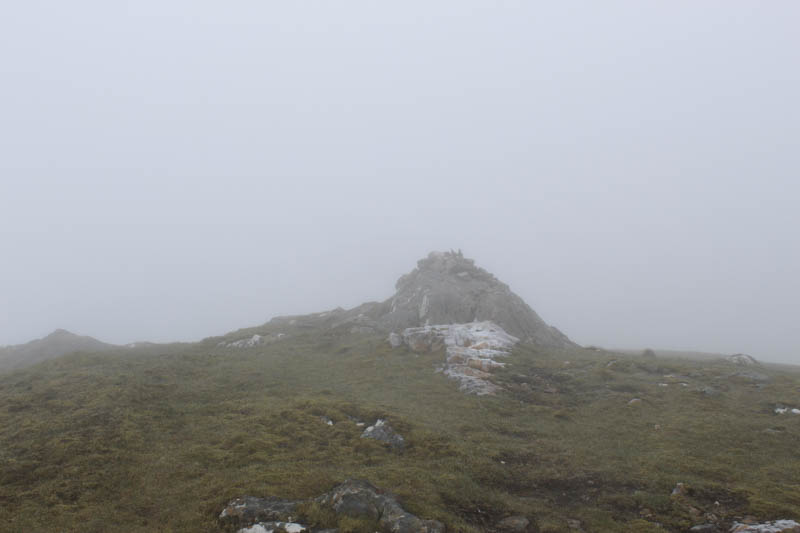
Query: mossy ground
x=161, y=440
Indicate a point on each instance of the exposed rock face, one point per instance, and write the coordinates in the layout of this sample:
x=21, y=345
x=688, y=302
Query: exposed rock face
x=447, y=288
x=471, y=351
x=515, y=524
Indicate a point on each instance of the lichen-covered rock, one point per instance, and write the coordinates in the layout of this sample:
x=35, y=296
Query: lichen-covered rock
x=472, y=351
x=383, y=432
x=248, y=510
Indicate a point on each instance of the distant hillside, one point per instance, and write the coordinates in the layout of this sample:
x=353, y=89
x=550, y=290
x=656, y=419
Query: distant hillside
x=58, y=343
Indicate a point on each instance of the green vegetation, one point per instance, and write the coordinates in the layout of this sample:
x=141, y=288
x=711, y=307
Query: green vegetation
x=160, y=440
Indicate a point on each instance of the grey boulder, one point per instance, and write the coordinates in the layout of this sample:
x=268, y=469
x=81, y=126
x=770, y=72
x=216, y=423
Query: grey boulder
x=383, y=432
x=248, y=510
x=361, y=500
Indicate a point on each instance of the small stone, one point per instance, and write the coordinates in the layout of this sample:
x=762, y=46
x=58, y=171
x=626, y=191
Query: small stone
x=679, y=490
x=574, y=524
x=707, y=528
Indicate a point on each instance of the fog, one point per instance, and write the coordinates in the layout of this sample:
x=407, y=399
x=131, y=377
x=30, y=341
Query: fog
x=175, y=170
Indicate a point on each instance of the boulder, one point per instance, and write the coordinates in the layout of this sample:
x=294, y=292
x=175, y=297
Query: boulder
x=354, y=498
x=383, y=432
x=708, y=391
x=248, y=510
x=515, y=524
x=742, y=359
x=360, y=499
x=395, y=340
x=276, y=527
x=679, y=490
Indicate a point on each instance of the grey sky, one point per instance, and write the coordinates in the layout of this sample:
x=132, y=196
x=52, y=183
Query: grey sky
x=173, y=170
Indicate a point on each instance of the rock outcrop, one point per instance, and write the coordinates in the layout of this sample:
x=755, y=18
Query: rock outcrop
x=471, y=351
x=447, y=288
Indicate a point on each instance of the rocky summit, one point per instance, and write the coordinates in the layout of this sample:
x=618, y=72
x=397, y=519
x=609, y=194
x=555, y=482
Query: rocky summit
x=447, y=288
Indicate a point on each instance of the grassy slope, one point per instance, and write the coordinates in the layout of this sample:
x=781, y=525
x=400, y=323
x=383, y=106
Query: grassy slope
x=160, y=441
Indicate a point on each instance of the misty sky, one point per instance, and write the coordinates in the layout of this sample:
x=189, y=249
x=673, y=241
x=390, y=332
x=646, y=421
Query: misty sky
x=173, y=170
